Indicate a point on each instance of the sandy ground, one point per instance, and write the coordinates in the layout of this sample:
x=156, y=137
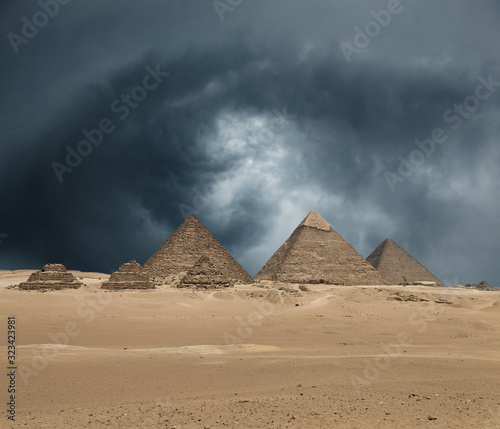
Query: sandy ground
x=252, y=357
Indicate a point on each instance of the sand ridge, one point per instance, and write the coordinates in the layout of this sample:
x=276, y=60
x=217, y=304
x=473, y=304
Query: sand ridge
x=257, y=355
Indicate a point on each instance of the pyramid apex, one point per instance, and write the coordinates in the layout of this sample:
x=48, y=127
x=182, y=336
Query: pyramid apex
x=314, y=220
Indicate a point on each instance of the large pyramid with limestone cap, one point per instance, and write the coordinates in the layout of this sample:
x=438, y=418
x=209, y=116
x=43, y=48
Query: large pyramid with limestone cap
x=315, y=253
x=397, y=266
x=186, y=246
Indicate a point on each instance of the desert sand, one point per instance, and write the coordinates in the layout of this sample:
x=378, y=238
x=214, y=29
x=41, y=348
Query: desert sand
x=253, y=356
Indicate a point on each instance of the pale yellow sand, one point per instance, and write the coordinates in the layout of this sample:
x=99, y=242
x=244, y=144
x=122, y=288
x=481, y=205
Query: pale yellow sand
x=345, y=357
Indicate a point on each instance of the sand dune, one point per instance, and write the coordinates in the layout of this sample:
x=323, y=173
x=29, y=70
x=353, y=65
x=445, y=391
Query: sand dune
x=253, y=356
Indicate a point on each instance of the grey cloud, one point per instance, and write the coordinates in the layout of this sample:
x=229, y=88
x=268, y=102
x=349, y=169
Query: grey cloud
x=352, y=122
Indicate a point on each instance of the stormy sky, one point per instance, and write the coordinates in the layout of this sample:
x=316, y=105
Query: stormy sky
x=120, y=118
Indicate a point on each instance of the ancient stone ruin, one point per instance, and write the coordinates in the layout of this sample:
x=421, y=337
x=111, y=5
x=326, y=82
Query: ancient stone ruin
x=484, y=285
x=398, y=267
x=185, y=247
x=315, y=253
x=204, y=275
x=51, y=276
x=129, y=276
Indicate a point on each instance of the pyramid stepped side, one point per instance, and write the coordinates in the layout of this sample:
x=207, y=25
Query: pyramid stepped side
x=274, y=266
x=204, y=275
x=129, y=276
x=51, y=276
x=315, y=253
x=375, y=257
x=186, y=246
x=397, y=266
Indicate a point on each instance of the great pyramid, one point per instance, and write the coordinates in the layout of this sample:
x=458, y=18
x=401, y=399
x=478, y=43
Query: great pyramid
x=204, y=275
x=186, y=246
x=51, y=276
x=129, y=276
x=315, y=253
x=397, y=266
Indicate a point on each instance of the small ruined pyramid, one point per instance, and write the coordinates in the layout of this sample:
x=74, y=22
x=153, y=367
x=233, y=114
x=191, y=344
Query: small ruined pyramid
x=186, y=246
x=51, y=276
x=315, y=253
x=397, y=266
x=129, y=276
x=484, y=285
x=204, y=275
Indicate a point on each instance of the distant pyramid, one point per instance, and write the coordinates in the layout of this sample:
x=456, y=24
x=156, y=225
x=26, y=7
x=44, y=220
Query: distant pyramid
x=129, y=276
x=204, y=275
x=315, y=253
x=186, y=246
x=397, y=266
x=484, y=285
x=51, y=276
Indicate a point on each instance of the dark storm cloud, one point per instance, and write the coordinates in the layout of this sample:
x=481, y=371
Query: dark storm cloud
x=211, y=123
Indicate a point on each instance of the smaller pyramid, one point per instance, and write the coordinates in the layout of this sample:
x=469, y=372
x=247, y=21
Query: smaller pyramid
x=204, y=275
x=398, y=267
x=51, y=276
x=129, y=276
x=484, y=285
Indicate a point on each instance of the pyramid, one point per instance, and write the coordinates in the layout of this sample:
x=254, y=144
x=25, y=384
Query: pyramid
x=129, y=276
x=205, y=275
x=186, y=246
x=397, y=266
x=315, y=253
x=51, y=276
x=484, y=285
